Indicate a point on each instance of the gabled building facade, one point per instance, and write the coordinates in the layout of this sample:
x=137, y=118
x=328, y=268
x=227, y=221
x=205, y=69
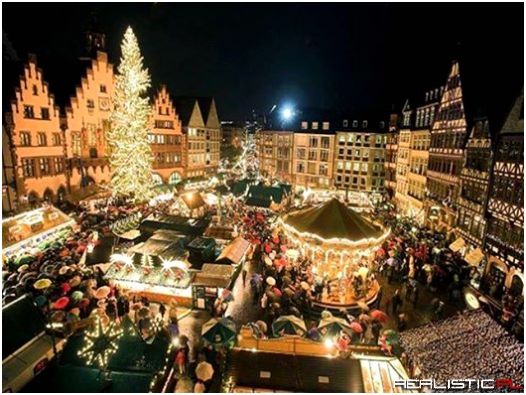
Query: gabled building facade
x=88, y=121
x=37, y=139
x=446, y=155
x=413, y=154
x=474, y=183
x=202, y=128
x=167, y=140
x=505, y=232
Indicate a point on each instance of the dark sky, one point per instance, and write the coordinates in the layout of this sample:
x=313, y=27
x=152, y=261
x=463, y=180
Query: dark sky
x=355, y=57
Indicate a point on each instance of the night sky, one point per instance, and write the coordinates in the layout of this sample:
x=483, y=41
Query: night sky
x=354, y=57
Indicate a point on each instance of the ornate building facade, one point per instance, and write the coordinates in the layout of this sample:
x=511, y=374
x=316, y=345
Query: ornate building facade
x=87, y=120
x=505, y=233
x=167, y=140
x=446, y=154
x=37, y=139
x=202, y=130
x=474, y=183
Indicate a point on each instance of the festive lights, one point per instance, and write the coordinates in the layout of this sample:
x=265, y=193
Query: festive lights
x=130, y=152
x=101, y=344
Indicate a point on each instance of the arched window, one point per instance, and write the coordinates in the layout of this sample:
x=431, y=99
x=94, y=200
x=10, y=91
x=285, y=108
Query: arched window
x=157, y=179
x=175, y=178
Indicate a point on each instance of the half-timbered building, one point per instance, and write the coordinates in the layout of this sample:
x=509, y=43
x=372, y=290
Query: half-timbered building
x=505, y=233
x=448, y=135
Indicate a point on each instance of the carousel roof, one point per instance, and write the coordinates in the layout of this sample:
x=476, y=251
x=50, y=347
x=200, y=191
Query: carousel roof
x=332, y=220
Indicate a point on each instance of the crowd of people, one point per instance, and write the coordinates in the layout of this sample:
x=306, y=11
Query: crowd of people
x=470, y=345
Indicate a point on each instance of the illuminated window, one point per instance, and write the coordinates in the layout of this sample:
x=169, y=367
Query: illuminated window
x=76, y=143
x=304, y=125
x=92, y=135
x=41, y=139
x=25, y=139
x=59, y=165
x=27, y=167
x=326, y=125
x=315, y=125
x=44, y=113
x=56, y=139
x=43, y=165
x=103, y=88
x=29, y=112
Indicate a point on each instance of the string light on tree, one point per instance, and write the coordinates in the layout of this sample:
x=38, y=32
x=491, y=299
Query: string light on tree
x=101, y=344
x=130, y=152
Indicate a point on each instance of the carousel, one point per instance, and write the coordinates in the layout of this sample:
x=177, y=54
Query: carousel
x=341, y=245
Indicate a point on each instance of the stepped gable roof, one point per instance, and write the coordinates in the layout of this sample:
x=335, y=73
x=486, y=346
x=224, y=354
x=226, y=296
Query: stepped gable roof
x=333, y=219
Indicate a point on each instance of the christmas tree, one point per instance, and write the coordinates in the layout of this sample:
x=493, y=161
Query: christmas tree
x=130, y=151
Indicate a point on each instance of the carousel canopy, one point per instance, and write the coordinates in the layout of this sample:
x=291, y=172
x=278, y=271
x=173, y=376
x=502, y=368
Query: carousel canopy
x=332, y=220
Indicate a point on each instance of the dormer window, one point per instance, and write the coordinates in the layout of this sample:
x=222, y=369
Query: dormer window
x=364, y=124
x=427, y=97
x=325, y=125
x=315, y=125
x=35, y=90
x=345, y=123
x=304, y=125
x=354, y=124
x=382, y=124
x=103, y=89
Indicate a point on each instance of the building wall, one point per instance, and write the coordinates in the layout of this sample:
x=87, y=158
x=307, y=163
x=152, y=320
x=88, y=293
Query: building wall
x=88, y=122
x=166, y=139
x=37, y=138
x=446, y=152
x=312, y=160
x=417, y=172
x=402, y=168
x=359, y=161
x=204, y=140
x=474, y=184
x=505, y=231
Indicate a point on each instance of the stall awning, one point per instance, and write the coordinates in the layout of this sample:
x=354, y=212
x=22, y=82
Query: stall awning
x=474, y=257
x=213, y=275
x=235, y=251
x=457, y=244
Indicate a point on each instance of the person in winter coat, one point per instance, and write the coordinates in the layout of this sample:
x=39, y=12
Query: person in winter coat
x=180, y=360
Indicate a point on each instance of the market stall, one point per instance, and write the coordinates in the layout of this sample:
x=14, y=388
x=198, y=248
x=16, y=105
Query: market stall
x=209, y=283
x=29, y=230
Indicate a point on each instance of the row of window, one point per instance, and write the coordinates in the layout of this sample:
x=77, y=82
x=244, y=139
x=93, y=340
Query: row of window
x=167, y=157
x=508, y=189
x=424, y=117
x=312, y=168
x=453, y=139
x=362, y=181
x=25, y=139
x=167, y=139
x=203, y=159
x=445, y=166
x=356, y=138
x=29, y=112
x=302, y=154
x=358, y=166
x=510, y=151
x=209, y=134
x=164, y=124
x=418, y=166
x=39, y=167
x=509, y=234
x=450, y=113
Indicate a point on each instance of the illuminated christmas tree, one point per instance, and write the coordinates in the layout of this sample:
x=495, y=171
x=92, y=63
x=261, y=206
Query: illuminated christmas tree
x=130, y=151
